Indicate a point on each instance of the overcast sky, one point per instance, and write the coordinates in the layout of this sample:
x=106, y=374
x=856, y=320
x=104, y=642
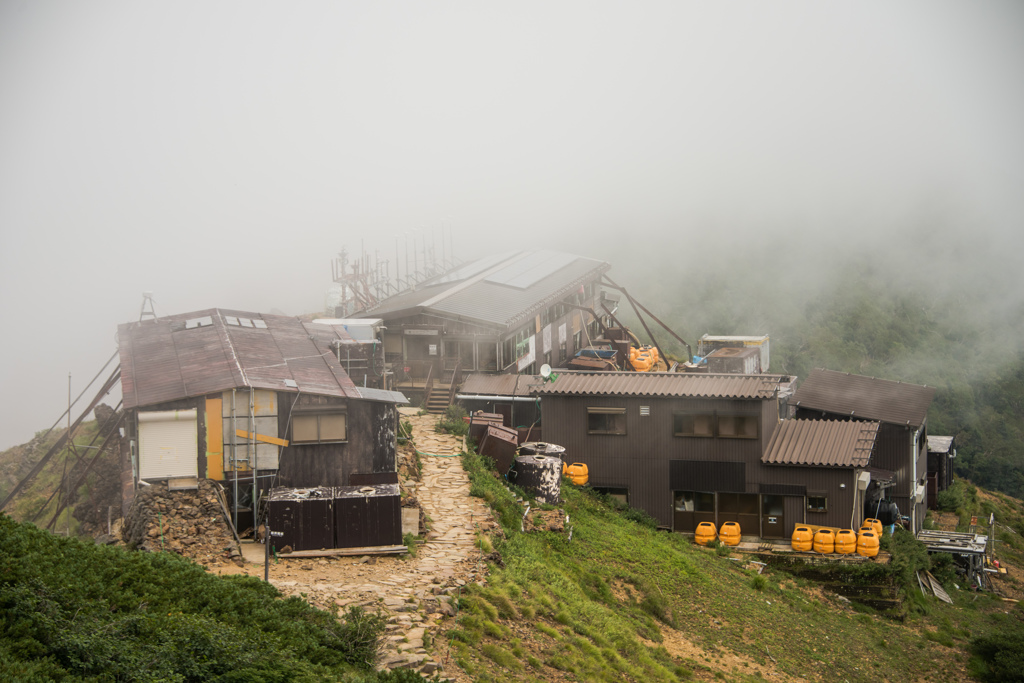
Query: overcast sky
x=219, y=154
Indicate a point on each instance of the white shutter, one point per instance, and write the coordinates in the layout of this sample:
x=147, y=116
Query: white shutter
x=168, y=444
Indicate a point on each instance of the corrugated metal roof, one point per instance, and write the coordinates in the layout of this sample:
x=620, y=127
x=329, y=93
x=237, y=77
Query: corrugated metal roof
x=668, y=384
x=164, y=360
x=867, y=398
x=838, y=443
x=940, y=444
x=494, y=295
x=501, y=385
x=371, y=394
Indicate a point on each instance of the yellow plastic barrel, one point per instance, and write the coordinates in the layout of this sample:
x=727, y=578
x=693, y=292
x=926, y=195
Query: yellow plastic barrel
x=824, y=541
x=846, y=542
x=577, y=472
x=803, y=539
x=729, y=534
x=867, y=543
x=875, y=525
x=705, y=533
x=642, y=363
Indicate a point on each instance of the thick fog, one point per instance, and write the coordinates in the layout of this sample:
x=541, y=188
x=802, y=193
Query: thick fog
x=220, y=154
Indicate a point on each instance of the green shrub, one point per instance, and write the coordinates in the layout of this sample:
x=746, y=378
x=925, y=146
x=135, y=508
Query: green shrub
x=641, y=518
x=453, y=422
x=999, y=656
x=908, y=556
x=72, y=609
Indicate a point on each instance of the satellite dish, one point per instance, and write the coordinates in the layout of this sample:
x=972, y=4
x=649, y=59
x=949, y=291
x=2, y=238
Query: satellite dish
x=545, y=371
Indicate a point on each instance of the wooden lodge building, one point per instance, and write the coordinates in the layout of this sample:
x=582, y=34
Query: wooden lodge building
x=254, y=401
x=503, y=313
x=688, y=448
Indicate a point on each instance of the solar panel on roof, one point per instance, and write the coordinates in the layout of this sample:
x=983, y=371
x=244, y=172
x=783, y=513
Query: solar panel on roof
x=231, y=320
x=259, y=323
x=471, y=269
x=198, y=322
x=529, y=271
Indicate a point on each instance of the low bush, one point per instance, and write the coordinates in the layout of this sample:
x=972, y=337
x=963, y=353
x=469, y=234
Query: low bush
x=453, y=422
x=999, y=655
x=71, y=609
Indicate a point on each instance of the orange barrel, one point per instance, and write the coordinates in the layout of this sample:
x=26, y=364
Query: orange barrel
x=705, y=533
x=803, y=539
x=729, y=534
x=846, y=542
x=578, y=473
x=867, y=543
x=875, y=525
x=824, y=541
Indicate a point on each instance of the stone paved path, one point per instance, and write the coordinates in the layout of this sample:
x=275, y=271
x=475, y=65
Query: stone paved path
x=416, y=593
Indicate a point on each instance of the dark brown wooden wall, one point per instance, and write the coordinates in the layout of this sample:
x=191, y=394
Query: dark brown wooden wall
x=370, y=448
x=650, y=461
x=639, y=460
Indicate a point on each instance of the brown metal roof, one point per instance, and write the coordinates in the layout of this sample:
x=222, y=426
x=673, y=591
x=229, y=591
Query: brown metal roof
x=667, y=384
x=867, y=398
x=173, y=358
x=501, y=385
x=838, y=443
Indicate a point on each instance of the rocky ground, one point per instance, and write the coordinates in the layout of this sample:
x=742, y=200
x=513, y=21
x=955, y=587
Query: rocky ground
x=190, y=523
x=418, y=594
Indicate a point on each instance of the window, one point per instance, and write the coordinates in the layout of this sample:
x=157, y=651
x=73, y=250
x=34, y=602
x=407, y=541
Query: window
x=606, y=420
x=684, y=424
x=737, y=426
x=319, y=428
x=694, y=501
x=817, y=502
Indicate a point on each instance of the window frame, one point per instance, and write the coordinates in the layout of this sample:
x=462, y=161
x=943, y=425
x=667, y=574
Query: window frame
x=817, y=494
x=753, y=419
x=699, y=499
x=606, y=411
x=319, y=429
x=677, y=416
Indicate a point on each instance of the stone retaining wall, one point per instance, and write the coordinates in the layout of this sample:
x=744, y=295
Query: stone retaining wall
x=190, y=523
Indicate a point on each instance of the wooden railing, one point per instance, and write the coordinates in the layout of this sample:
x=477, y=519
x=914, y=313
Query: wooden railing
x=456, y=380
x=428, y=385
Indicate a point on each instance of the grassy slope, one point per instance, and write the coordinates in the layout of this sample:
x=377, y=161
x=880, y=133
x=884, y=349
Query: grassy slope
x=16, y=462
x=597, y=607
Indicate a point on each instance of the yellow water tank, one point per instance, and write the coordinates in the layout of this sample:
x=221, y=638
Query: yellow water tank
x=867, y=543
x=875, y=525
x=642, y=363
x=846, y=542
x=803, y=539
x=824, y=541
x=729, y=534
x=577, y=472
x=705, y=533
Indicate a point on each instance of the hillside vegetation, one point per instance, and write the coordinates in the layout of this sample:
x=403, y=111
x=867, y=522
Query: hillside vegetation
x=71, y=610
